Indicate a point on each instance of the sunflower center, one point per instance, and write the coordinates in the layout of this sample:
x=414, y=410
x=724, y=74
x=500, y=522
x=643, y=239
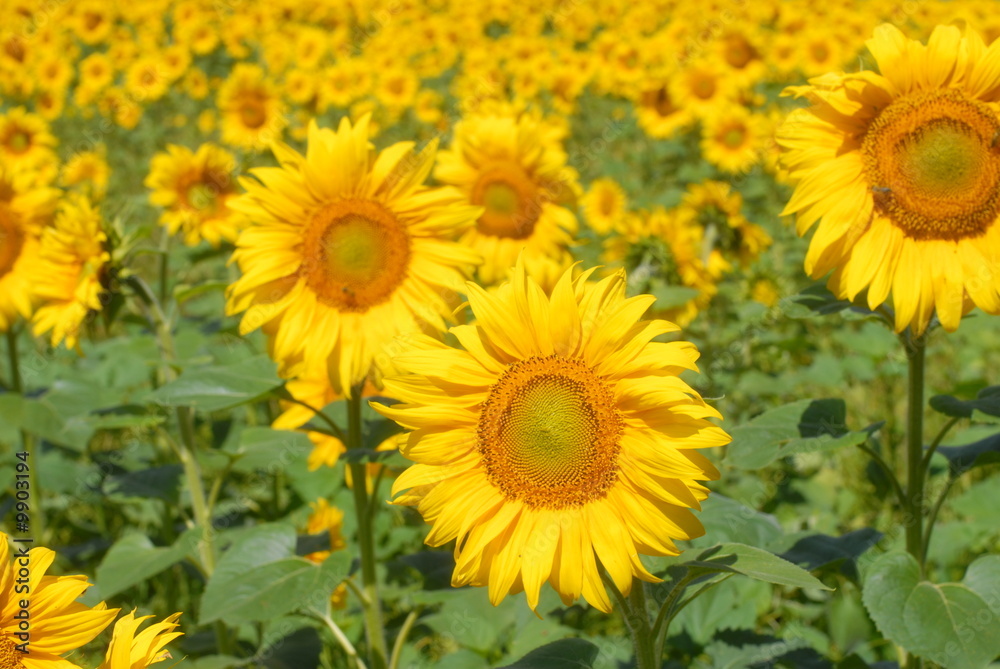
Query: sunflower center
x=704, y=87
x=733, y=137
x=18, y=141
x=252, y=114
x=933, y=163
x=549, y=433
x=510, y=199
x=10, y=656
x=11, y=240
x=203, y=196
x=355, y=254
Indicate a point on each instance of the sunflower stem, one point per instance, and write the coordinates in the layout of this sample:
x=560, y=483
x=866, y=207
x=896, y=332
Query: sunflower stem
x=636, y=619
x=914, y=508
x=27, y=440
x=374, y=630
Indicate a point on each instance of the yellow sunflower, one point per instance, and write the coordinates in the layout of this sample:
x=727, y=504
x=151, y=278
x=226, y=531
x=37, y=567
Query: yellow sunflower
x=603, y=205
x=253, y=115
x=311, y=387
x=58, y=623
x=195, y=189
x=657, y=114
x=349, y=249
x=25, y=140
x=89, y=171
x=560, y=441
x=715, y=209
x=329, y=519
x=70, y=266
x=129, y=650
x=903, y=171
x=24, y=210
x=734, y=140
x=513, y=166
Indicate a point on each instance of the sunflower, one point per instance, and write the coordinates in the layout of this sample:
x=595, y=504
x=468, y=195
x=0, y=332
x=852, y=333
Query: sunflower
x=311, y=387
x=603, y=205
x=514, y=167
x=25, y=140
x=252, y=111
x=129, y=650
x=348, y=251
x=89, y=170
x=715, y=209
x=67, y=278
x=195, y=189
x=903, y=169
x=559, y=442
x=734, y=140
x=147, y=79
x=329, y=519
x=24, y=210
x=657, y=114
x=59, y=624
x=702, y=88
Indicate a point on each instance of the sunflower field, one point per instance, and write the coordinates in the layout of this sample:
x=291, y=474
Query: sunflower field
x=462, y=334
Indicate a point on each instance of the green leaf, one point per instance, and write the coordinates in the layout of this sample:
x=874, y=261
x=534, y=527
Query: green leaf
x=816, y=300
x=755, y=563
x=562, y=654
x=218, y=388
x=805, y=426
x=668, y=297
x=949, y=624
x=259, y=447
x=820, y=550
x=155, y=482
x=133, y=559
x=987, y=401
x=963, y=458
x=983, y=577
x=184, y=292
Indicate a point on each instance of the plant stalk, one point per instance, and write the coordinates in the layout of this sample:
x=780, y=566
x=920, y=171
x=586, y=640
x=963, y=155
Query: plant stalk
x=915, y=470
x=378, y=652
x=38, y=525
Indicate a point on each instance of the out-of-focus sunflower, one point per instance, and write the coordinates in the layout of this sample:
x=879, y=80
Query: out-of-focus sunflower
x=514, y=167
x=24, y=210
x=66, y=281
x=251, y=108
x=25, y=140
x=147, y=79
x=329, y=519
x=93, y=20
x=89, y=171
x=715, y=209
x=603, y=205
x=701, y=87
x=195, y=188
x=902, y=169
x=129, y=650
x=657, y=114
x=734, y=140
x=560, y=442
x=59, y=624
x=661, y=251
x=311, y=387
x=347, y=251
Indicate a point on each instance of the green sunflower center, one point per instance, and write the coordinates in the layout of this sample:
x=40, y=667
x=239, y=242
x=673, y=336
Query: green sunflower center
x=734, y=136
x=355, y=254
x=511, y=201
x=549, y=433
x=11, y=240
x=933, y=163
x=202, y=196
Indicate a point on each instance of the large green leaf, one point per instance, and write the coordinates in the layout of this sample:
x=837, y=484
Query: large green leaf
x=804, y=426
x=562, y=654
x=950, y=624
x=133, y=559
x=273, y=589
x=963, y=458
x=987, y=401
x=219, y=387
x=755, y=563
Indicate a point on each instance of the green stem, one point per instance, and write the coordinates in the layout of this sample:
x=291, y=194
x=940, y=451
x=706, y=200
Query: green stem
x=926, y=462
x=932, y=518
x=887, y=470
x=666, y=613
x=27, y=441
x=404, y=631
x=345, y=643
x=636, y=619
x=374, y=630
x=914, y=509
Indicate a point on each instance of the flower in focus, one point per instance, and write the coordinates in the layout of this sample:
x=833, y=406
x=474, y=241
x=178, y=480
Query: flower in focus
x=67, y=280
x=902, y=172
x=59, y=624
x=513, y=166
x=348, y=250
x=560, y=441
x=129, y=650
x=195, y=188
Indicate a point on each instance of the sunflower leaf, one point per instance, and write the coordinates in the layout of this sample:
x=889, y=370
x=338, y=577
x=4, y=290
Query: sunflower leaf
x=755, y=563
x=987, y=401
x=561, y=654
x=215, y=388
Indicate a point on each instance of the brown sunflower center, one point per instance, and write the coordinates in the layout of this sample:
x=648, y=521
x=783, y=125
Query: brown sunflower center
x=18, y=141
x=549, y=433
x=10, y=656
x=703, y=86
x=11, y=240
x=355, y=254
x=933, y=163
x=734, y=136
x=252, y=113
x=659, y=101
x=739, y=52
x=510, y=199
